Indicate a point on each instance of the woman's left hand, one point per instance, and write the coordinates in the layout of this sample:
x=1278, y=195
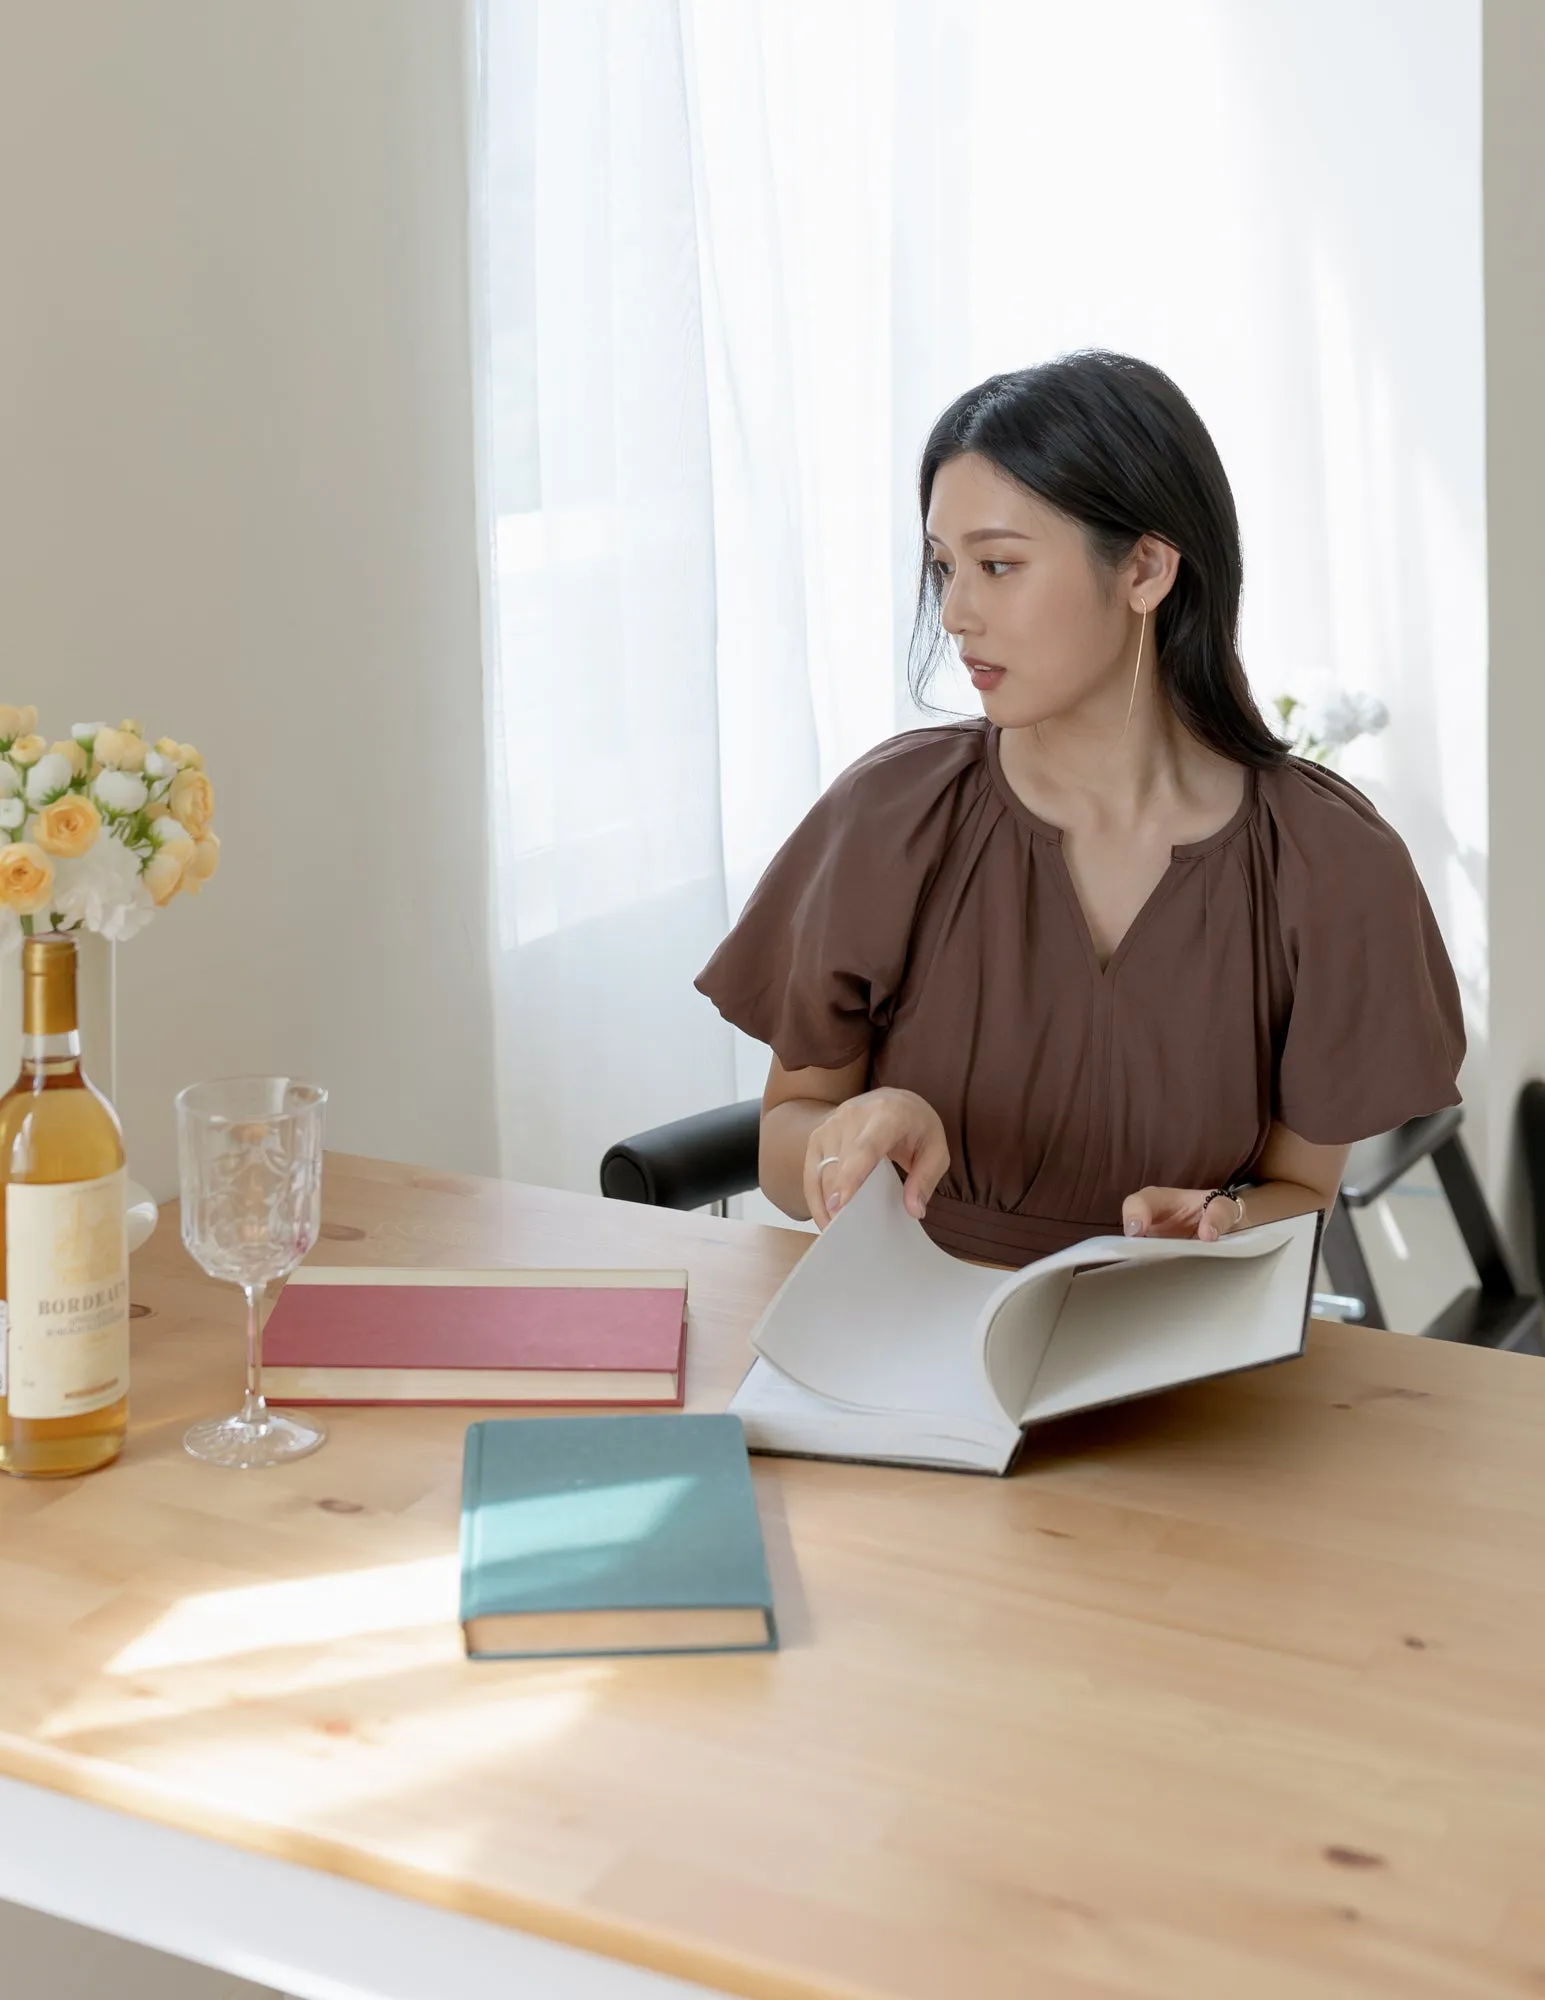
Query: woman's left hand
x=1167, y=1211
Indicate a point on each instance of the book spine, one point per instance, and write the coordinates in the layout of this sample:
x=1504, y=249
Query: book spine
x=471, y=1486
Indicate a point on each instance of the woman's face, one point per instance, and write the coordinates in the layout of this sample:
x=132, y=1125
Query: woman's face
x=1020, y=592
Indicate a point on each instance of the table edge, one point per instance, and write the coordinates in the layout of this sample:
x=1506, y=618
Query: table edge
x=669, y=1952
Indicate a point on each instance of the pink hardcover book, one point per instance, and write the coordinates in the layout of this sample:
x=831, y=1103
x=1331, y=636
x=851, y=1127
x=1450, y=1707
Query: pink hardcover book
x=412, y=1336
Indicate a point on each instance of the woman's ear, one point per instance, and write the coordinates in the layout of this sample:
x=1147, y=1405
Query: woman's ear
x=1150, y=572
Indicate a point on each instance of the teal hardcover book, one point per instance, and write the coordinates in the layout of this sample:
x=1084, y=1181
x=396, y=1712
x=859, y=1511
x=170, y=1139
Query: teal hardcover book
x=611, y=1534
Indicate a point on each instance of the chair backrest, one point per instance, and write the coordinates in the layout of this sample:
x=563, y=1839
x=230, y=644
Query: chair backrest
x=690, y=1162
x=1531, y=1124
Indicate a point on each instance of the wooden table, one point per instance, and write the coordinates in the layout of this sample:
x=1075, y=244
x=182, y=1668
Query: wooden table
x=1238, y=1692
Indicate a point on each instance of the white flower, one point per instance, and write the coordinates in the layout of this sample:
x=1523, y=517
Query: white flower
x=1338, y=717
x=103, y=891
x=12, y=813
x=48, y=777
x=87, y=732
x=120, y=791
x=157, y=766
x=1372, y=714
x=163, y=830
x=10, y=779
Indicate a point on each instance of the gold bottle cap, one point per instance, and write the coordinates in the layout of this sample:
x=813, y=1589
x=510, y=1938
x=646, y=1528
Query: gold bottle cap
x=48, y=986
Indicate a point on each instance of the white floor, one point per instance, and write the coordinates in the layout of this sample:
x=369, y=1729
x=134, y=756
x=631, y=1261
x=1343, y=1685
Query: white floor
x=60, y=1961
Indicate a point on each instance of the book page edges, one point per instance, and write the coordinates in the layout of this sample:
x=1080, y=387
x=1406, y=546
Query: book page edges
x=511, y=1386
x=668, y=1629
x=371, y=1276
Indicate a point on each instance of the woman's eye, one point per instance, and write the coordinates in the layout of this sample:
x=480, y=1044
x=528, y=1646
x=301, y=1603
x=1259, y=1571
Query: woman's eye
x=942, y=570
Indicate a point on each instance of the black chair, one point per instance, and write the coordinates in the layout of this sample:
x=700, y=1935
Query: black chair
x=1531, y=1132
x=702, y=1160
x=1493, y=1313
x=690, y=1163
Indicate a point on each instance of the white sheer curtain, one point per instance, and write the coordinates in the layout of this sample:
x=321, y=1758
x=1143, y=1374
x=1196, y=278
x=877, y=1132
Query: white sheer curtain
x=738, y=256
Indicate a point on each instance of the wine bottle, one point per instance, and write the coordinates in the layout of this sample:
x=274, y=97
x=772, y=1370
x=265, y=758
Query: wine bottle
x=64, y=1258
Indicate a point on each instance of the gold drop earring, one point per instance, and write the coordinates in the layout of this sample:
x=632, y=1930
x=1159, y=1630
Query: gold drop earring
x=1141, y=635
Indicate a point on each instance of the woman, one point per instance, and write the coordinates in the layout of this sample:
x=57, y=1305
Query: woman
x=1107, y=957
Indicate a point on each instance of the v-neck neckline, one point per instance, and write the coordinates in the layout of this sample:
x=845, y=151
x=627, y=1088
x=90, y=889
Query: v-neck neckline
x=1180, y=852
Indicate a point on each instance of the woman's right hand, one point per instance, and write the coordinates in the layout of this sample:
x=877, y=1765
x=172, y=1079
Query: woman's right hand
x=862, y=1131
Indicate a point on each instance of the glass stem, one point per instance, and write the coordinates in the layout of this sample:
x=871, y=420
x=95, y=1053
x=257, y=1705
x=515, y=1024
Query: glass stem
x=254, y=1410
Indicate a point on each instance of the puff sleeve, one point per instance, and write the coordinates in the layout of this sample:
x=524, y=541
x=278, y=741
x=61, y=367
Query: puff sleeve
x=815, y=962
x=1376, y=1032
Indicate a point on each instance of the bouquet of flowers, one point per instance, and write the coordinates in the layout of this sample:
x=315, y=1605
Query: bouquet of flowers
x=1320, y=728
x=99, y=832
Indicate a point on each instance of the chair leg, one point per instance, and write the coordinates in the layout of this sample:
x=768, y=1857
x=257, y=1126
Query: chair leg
x=1474, y=1219
x=1347, y=1265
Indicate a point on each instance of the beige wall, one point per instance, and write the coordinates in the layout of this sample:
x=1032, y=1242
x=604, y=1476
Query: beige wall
x=1514, y=181
x=236, y=501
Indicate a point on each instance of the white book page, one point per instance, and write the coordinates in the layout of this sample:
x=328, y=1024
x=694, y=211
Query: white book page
x=779, y=1415
x=1024, y=1313
x=1160, y=1319
x=1022, y=1318
x=877, y=1316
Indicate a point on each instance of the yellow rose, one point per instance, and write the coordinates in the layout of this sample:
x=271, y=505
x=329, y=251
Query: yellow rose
x=117, y=750
x=165, y=870
x=206, y=859
x=26, y=878
x=68, y=827
x=192, y=800
x=27, y=749
x=74, y=756
x=158, y=811
x=132, y=728
x=189, y=758
x=16, y=722
x=170, y=749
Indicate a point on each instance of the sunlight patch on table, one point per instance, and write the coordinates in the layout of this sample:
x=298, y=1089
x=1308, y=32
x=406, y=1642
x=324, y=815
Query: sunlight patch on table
x=302, y=1611
x=288, y=1778
x=167, y=1694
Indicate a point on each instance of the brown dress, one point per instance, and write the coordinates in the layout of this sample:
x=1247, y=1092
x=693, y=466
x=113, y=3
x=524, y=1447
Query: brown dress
x=1287, y=967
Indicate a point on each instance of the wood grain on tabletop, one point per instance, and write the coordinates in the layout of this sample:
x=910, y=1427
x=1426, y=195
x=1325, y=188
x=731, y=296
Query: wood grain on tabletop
x=1236, y=1692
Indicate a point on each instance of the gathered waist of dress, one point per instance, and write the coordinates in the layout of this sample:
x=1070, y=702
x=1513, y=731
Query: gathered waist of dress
x=999, y=1236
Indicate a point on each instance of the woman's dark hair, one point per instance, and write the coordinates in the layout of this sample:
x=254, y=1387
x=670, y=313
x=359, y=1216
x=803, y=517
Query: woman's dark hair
x=1111, y=443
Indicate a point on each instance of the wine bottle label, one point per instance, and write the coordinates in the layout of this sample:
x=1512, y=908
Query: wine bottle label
x=67, y=1296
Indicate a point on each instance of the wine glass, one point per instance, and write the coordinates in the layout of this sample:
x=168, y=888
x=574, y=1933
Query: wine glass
x=250, y=1152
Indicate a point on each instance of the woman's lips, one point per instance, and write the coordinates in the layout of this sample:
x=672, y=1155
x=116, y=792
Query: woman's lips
x=986, y=677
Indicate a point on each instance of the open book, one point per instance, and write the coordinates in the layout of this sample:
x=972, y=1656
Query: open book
x=880, y=1345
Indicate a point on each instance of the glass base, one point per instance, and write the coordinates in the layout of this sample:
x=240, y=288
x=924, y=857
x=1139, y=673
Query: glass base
x=271, y=1439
